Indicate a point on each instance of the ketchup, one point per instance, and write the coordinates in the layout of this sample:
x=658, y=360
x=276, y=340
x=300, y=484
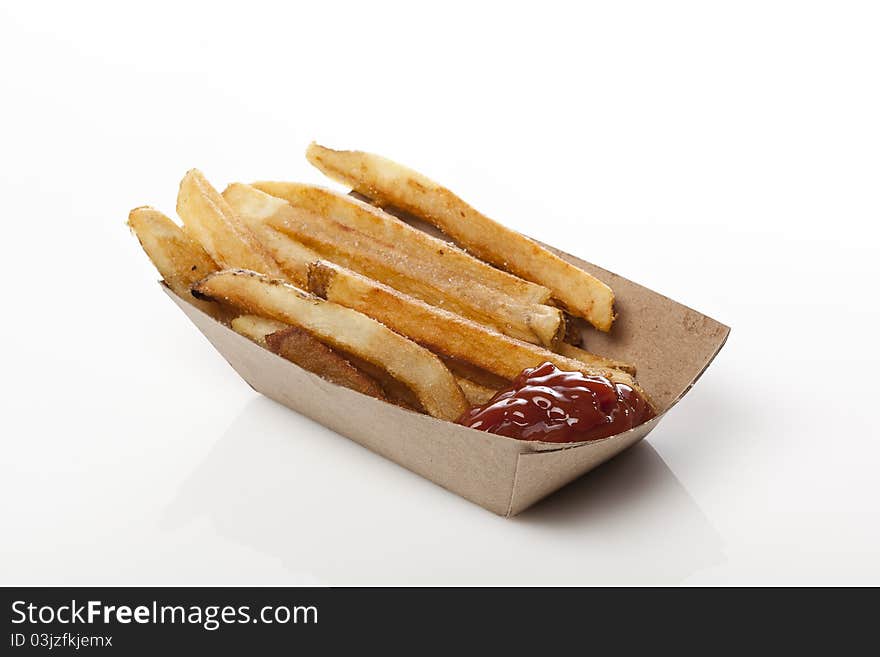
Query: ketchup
x=552, y=405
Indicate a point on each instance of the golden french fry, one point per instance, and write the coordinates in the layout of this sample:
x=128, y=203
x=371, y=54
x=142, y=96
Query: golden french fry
x=180, y=260
x=584, y=356
x=395, y=391
x=441, y=331
x=209, y=219
x=464, y=370
x=344, y=329
x=301, y=347
x=303, y=351
x=405, y=239
x=389, y=183
x=476, y=394
x=257, y=328
x=255, y=209
x=316, y=229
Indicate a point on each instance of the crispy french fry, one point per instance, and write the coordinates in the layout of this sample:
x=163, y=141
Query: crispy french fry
x=302, y=351
x=180, y=260
x=255, y=209
x=476, y=394
x=268, y=332
x=292, y=256
x=389, y=183
x=316, y=230
x=405, y=239
x=395, y=391
x=210, y=220
x=439, y=330
x=464, y=370
x=345, y=329
x=257, y=328
x=584, y=356
x=301, y=347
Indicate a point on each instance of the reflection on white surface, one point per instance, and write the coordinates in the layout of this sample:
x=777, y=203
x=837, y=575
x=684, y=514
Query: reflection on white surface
x=317, y=501
x=636, y=504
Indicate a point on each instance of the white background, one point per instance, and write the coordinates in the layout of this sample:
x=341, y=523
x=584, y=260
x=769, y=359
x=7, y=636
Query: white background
x=725, y=154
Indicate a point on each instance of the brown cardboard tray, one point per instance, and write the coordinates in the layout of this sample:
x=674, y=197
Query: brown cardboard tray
x=670, y=344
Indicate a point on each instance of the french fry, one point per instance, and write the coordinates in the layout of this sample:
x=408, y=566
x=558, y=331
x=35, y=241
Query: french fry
x=304, y=352
x=395, y=391
x=344, y=329
x=257, y=328
x=292, y=256
x=464, y=370
x=405, y=239
x=210, y=220
x=389, y=183
x=311, y=233
x=441, y=331
x=584, y=356
x=476, y=394
x=254, y=209
x=301, y=347
x=180, y=260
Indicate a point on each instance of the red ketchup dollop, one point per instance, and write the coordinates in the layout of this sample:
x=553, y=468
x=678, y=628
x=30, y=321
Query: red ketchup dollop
x=552, y=405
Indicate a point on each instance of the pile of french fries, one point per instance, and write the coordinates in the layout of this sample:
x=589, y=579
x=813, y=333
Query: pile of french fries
x=346, y=289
